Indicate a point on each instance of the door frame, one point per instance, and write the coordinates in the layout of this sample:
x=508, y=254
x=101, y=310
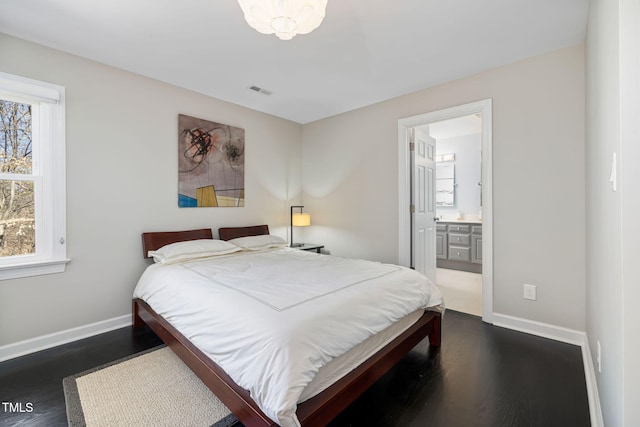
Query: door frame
x=483, y=107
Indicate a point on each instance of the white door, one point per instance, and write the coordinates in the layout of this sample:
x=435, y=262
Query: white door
x=424, y=204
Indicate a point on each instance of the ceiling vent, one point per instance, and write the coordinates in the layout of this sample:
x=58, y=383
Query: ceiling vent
x=260, y=90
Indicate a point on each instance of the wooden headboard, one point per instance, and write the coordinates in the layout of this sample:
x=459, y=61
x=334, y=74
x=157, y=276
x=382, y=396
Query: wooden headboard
x=156, y=240
x=228, y=233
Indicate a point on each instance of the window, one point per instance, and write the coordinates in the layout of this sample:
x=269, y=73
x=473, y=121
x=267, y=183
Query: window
x=32, y=178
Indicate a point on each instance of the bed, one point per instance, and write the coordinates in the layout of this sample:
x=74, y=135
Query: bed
x=334, y=396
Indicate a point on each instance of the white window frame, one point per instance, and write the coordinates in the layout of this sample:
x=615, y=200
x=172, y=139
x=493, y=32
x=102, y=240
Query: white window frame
x=49, y=171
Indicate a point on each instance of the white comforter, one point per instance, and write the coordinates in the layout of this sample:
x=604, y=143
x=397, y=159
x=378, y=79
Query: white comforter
x=272, y=319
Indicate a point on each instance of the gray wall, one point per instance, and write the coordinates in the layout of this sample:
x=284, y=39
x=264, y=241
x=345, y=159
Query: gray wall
x=350, y=180
x=122, y=180
x=613, y=232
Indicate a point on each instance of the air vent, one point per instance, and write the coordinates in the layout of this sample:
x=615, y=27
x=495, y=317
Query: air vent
x=260, y=90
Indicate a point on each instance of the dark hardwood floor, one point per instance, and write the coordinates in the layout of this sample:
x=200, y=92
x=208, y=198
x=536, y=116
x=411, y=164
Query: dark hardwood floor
x=481, y=376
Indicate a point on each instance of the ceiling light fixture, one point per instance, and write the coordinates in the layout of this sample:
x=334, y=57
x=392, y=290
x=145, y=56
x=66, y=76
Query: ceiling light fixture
x=284, y=18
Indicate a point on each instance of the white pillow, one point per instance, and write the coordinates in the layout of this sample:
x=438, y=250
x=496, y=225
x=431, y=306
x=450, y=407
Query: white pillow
x=255, y=243
x=192, y=249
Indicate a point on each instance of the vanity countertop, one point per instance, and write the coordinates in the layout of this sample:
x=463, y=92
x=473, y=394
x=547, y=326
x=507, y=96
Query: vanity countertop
x=461, y=221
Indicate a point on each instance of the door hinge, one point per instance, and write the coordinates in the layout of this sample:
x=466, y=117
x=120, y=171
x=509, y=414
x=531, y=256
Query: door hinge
x=412, y=209
x=412, y=146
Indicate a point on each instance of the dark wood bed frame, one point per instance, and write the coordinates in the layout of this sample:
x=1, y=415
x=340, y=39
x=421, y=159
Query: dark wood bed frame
x=317, y=411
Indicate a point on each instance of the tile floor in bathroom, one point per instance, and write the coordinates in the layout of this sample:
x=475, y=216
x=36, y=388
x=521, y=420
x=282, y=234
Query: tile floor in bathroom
x=462, y=291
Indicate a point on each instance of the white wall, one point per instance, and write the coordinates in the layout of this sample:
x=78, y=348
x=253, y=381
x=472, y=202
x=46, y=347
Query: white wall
x=468, y=151
x=613, y=234
x=122, y=180
x=350, y=180
x=630, y=203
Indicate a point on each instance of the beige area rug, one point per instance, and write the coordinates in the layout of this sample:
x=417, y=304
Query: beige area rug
x=153, y=388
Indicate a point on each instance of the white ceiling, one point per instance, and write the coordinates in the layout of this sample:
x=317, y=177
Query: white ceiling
x=365, y=51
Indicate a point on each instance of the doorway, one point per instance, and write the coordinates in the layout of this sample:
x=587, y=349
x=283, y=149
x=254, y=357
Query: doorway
x=408, y=129
x=458, y=209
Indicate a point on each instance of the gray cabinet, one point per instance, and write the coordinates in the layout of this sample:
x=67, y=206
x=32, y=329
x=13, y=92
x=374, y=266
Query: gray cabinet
x=458, y=253
x=442, y=245
x=476, y=244
x=459, y=246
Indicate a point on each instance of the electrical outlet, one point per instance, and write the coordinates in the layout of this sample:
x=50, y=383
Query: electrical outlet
x=599, y=357
x=529, y=292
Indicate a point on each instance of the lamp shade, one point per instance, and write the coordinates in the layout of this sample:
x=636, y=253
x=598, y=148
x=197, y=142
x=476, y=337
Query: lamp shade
x=284, y=18
x=301, y=219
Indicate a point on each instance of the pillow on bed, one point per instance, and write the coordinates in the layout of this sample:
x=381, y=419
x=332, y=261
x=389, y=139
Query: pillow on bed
x=255, y=243
x=192, y=249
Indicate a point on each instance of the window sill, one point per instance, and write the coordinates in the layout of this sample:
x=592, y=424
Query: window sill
x=32, y=268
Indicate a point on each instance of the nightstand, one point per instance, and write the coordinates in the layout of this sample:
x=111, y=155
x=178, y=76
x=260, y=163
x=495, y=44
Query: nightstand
x=308, y=247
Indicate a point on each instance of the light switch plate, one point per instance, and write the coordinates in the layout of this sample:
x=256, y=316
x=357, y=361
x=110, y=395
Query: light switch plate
x=613, y=179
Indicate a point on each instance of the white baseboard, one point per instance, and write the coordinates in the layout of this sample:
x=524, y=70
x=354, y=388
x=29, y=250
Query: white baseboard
x=566, y=335
x=540, y=329
x=592, y=385
x=11, y=351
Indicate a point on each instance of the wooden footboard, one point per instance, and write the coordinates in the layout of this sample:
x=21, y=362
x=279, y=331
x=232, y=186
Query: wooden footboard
x=317, y=411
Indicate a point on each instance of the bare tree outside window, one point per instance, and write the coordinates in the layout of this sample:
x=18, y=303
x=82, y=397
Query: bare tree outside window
x=17, y=202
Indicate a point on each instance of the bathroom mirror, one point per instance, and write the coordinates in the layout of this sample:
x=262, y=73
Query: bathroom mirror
x=445, y=184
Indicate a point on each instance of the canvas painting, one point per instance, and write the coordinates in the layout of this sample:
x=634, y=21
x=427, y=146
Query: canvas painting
x=210, y=163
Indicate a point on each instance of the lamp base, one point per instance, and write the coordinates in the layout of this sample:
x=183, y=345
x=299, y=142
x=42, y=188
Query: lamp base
x=296, y=245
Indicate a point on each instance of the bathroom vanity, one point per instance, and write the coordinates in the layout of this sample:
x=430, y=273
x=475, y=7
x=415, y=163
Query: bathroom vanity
x=459, y=245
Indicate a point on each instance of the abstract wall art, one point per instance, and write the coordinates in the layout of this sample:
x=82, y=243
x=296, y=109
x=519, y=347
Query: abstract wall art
x=210, y=164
